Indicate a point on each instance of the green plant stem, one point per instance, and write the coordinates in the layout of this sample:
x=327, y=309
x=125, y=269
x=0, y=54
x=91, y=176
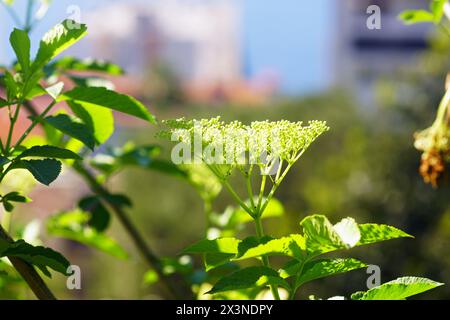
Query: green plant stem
x=248, y=181
x=35, y=122
x=443, y=108
x=237, y=198
x=275, y=186
x=261, y=194
x=292, y=294
x=28, y=273
x=28, y=24
x=207, y=207
x=176, y=290
x=13, y=120
x=265, y=259
x=2, y=148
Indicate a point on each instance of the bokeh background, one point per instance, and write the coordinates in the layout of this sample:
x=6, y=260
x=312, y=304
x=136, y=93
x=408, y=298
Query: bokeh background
x=255, y=60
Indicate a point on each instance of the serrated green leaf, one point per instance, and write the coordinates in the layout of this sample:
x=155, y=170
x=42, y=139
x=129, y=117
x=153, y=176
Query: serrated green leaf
x=327, y=267
x=248, y=278
x=99, y=120
x=101, y=97
x=398, y=289
x=20, y=42
x=73, y=128
x=74, y=64
x=40, y=257
x=291, y=246
x=221, y=245
x=72, y=225
x=320, y=235
x=100, y=216
x=372, y=233
x=45, y=171
x=49, y=152
x=214, y=260
x=58, y=39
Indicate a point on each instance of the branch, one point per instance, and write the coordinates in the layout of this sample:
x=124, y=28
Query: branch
x=28, y=273
x=177, y=291
x=152, y=259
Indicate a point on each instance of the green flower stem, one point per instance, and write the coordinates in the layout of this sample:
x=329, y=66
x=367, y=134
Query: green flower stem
x=261, y=194
x=248, y=179
x=274, y=188
x=13, y=120
x=265, y=260
x=28, y=22
x=237, y=198
x=280, y=168
x=28, y=273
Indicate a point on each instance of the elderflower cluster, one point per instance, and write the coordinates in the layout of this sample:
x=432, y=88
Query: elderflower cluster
x=214, y=141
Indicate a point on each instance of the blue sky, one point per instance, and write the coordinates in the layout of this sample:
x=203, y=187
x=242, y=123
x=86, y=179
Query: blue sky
x=290, y=37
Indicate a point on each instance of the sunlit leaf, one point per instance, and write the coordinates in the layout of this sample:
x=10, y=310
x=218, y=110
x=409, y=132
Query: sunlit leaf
x=73, y=225
x=221, y=245
x=398, y=289
x=49, y=152
x=104, y=98
x=248, y=278
x=20, y=42
x=58, y=39
x=73, y=128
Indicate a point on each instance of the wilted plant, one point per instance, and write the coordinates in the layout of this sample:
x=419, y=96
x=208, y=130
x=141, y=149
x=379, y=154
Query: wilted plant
x=434, y=142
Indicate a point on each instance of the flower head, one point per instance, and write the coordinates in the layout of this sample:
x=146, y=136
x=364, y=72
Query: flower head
x=236, y=144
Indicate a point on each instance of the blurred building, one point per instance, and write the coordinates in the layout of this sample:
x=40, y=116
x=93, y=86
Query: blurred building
x=365, y=55
x=196, y=40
